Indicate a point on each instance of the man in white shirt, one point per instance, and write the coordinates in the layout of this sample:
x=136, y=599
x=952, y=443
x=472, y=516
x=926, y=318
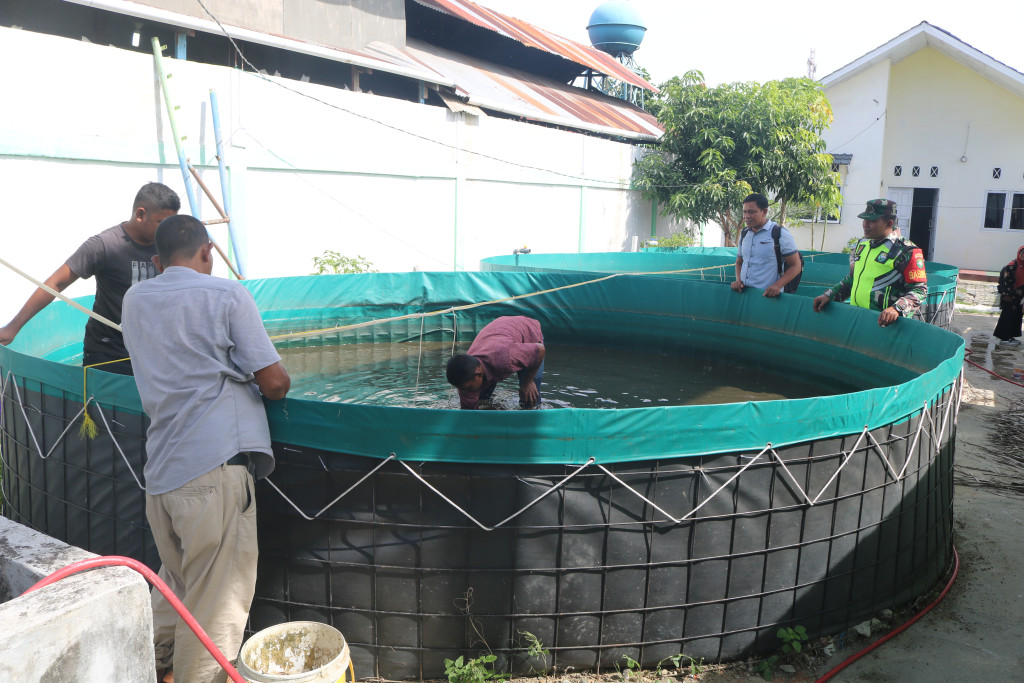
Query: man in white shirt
x=757, y=264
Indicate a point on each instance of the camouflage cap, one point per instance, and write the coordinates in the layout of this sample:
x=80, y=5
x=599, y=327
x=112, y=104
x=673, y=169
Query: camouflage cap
x=879, y=208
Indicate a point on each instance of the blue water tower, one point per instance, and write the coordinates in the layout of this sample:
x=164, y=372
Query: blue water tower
x=615, y=27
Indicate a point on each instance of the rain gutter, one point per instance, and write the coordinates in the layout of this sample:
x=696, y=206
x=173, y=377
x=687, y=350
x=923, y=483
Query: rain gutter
x=138, y=11
x=485, y=103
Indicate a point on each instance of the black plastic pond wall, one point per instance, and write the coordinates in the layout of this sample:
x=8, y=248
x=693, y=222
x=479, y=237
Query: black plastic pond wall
x=592, y=570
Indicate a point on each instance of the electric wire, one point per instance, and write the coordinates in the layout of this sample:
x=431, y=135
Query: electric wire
x=399, y=129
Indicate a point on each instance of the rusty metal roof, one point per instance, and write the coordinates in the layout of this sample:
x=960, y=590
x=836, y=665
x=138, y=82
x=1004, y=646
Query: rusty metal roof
x=532, y=97
x=518, y=93
x=538, y=38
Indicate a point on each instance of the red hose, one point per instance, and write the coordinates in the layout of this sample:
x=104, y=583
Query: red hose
x=115, y=560
x=968, y=360
x=967, y=352
x=854, y=657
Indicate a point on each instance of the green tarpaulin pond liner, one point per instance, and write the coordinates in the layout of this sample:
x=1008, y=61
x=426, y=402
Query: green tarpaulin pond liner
x=641, y=532
x=717, y=264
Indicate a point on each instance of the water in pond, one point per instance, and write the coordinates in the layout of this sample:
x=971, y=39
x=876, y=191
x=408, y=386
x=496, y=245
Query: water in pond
x=412, y=375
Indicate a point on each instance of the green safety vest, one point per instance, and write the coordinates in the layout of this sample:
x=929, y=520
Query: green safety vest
x=874, y=269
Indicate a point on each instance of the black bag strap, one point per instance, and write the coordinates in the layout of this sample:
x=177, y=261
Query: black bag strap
x=776, y=234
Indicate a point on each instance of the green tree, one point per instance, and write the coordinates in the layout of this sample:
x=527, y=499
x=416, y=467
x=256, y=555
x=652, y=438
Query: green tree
x=723, y=143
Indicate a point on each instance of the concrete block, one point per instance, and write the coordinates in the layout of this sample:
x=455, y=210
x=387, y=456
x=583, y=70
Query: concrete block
x=95, y=626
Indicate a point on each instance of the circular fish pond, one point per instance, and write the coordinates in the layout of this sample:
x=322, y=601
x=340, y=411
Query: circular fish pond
x=572, y=536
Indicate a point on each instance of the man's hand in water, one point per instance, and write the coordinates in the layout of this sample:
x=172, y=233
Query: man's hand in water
x=528, y=394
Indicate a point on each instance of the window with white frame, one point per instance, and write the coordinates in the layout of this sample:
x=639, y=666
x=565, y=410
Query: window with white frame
x=810, y=213
x=1004, y=211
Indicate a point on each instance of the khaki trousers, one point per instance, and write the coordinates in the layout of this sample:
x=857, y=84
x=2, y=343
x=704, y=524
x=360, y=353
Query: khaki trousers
x=205, y=534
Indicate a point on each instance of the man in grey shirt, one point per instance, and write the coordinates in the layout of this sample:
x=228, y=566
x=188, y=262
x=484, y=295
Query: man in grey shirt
x=119, y=257
x=756, y=262
x=202, y=360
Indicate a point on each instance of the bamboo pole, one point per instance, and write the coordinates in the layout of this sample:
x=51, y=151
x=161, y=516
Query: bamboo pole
x=224, y=217
x=182, y=161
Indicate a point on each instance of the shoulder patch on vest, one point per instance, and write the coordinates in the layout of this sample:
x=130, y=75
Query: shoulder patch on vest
x=914, y=271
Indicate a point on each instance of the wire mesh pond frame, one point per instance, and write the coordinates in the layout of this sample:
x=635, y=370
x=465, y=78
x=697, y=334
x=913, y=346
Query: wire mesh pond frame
x=428, y=534
x=718, y=264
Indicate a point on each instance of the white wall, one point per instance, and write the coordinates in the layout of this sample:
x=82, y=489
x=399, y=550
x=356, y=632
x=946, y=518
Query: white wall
x=933, y=101
x=929, y=102
x=404, y=185
x=859, y=107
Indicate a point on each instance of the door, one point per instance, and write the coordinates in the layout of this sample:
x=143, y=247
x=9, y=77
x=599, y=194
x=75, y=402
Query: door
x=922, y=220
x=904, y=198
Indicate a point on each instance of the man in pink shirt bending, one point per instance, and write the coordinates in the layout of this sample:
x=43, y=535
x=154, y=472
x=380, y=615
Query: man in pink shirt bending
x=505, y=345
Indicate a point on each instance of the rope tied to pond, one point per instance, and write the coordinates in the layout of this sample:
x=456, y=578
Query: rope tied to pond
x=465, y=307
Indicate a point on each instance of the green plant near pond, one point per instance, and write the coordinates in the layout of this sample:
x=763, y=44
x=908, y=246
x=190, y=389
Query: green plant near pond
x=676, y=239
x=632, y=667
x=472, y=670
x=530, y=648
x=792, y=643
x=333, y=262
x=679, y=661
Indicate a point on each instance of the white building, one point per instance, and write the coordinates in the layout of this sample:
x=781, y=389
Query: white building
x=417, y=134
x=938, y=126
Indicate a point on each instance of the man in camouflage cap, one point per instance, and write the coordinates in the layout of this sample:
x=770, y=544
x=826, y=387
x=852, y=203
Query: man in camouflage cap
x=886, y=271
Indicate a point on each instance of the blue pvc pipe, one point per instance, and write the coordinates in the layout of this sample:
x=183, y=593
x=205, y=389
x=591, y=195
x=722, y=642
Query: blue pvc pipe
x=225, y=193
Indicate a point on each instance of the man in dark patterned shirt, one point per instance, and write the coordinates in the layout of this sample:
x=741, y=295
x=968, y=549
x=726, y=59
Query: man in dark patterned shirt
x=119, y=257
x=886, y=271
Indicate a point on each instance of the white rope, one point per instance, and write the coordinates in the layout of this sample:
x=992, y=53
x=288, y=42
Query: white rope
x=731, y=479
x=959, y=386
x=775, y=456
x=843, y=465
x=470, y=517
x=3, y=394
x=917, y=437
x=419, y=358
x=951, y=407
x=32, y=433
x=878, y=449
x=638, y=494
x=117, y=445
x=50, y=290
x=778, y=459
x=333, y=502
x=71, y=423
x=455, y=330
x=945, y=418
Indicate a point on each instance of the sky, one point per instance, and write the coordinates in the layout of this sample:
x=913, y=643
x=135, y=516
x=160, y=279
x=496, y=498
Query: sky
x=742, y=40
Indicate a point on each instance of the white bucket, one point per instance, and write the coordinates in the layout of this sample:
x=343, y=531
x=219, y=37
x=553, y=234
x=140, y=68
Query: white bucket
x=295, y=652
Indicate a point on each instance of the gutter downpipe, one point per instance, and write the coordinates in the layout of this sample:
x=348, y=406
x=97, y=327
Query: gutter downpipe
x=189, y=190
x=224, y=189
x=654, y=217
